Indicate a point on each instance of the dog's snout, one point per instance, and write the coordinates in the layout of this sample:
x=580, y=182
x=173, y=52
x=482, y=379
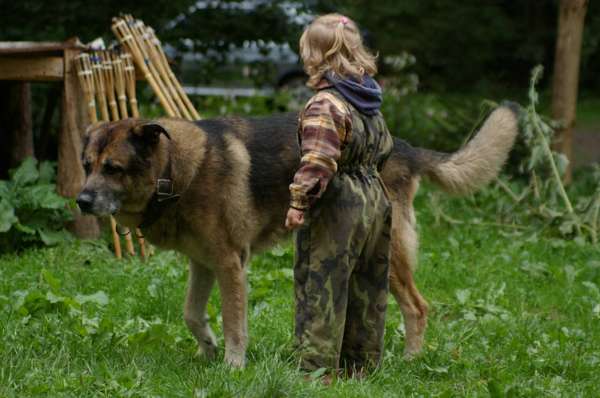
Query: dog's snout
x=85, y=200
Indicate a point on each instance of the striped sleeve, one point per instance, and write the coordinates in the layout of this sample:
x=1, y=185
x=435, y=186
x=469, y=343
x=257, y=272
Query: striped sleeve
x=325, y=127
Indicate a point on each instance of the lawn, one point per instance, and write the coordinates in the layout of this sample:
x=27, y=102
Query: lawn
x=513, y=314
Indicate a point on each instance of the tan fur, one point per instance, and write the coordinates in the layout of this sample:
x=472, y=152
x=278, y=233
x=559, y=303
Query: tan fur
x=217, y=224
x=479, y=162
x=465, y=171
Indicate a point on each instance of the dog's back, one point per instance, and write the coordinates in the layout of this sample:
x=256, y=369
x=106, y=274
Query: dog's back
x=272, y=145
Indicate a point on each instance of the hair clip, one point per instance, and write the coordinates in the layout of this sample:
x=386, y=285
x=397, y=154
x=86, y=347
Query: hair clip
x=344, y=21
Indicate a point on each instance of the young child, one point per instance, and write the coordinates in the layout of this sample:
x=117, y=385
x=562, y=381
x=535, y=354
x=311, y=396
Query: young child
x=339, y=203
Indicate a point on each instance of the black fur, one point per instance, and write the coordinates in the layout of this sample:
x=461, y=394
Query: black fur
x=408, y=155
x=215, y=130
x=272, y=144
x=103, y=141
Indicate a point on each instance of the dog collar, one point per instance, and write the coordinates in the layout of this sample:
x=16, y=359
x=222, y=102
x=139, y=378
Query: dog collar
x=164, y=196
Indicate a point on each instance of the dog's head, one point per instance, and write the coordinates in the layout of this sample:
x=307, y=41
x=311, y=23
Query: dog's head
x=122, y=161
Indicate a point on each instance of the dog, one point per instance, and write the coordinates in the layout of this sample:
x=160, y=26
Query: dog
x=217, y=191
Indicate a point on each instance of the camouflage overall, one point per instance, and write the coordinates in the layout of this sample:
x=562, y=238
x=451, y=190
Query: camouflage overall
x=342, y=256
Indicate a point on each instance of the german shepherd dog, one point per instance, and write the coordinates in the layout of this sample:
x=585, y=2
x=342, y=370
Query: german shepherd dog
x=217, y=191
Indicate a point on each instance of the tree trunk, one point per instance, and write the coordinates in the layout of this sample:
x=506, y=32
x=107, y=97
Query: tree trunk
x=566, y=74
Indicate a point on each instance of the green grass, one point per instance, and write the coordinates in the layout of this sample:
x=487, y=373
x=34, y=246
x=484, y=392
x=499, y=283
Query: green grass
x=512, y=315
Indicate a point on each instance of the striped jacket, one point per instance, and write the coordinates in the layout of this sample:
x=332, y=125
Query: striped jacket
x=325, y=126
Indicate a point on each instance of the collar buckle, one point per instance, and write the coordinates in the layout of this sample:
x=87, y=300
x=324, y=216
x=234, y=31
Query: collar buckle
x=164, y=187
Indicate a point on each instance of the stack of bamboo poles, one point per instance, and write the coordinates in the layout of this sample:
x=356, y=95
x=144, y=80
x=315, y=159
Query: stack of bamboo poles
x=146, y=50
x=108, y=80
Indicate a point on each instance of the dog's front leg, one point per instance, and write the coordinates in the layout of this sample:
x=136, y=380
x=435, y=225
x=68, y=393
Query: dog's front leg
x=200, y=282
x=231, y=277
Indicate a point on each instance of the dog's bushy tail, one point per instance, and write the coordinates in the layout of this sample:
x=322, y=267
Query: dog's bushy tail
x=480, y=160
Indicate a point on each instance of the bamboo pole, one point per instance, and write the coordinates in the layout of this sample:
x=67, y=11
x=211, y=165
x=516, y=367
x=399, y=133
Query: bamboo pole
x=157, y=44
x=100, y=88
x=125, y=36
x=125, y=87
x=109, y=89
x=120, y=84
x=141, y=41
x=86, y=80
x=137, y=34
x=109, y=84
x=129, y=70
x=143, y=47
x=144, y=38
x=91, y=81
x=124, y=83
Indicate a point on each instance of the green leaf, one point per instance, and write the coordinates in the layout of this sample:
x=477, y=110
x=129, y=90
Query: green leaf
x=153, y=333
x=4, y=189
x=25, y=229
x=7, y=216
x=437, y=369
x=288, y=273
x=51, y=280
x=536, y=269
x=43, y=196
x=279, y=251
x=54, y=298
x=462, y=295
x=566, y=227
x=318, y=373
x=50, y=237
x=494, y=389
x=46, y=172
x=26, y=173
x=562, y=162
x=99, y=298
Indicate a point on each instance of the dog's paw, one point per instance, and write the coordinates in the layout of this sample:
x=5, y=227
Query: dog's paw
x=411, y=353
x=207, y=350
x=207, y=344
x=235, y=359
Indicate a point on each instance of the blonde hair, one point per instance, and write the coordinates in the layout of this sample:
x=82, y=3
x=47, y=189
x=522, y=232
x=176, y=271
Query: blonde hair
x=333, y=43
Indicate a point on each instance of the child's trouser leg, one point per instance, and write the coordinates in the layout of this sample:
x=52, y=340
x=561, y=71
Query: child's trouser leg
x=321, y=274
x=367, y=300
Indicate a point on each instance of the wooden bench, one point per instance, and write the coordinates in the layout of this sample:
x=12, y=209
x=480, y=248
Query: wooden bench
x=53, y=62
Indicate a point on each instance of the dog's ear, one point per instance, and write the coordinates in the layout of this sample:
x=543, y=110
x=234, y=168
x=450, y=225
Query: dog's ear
x=150, y=132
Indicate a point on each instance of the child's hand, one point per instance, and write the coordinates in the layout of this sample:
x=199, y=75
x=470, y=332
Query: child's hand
x=295, y=219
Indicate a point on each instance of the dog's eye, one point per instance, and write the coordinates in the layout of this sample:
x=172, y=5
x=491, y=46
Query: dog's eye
x=87, y=167
x=112, y=169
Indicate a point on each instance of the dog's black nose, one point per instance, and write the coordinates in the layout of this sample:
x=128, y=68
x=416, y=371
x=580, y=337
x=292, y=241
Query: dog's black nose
x=85, y=200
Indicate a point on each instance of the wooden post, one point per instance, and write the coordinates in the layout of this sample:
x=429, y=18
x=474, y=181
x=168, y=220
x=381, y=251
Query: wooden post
x=22, y=134
x=71, y=176
x=566, y=74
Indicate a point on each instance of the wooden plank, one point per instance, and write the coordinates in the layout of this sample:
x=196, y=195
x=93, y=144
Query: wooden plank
x=23, y=68
x=70, y=176
x=30, y=47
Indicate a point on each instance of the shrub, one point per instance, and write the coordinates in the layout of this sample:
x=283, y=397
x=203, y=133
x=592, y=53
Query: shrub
x=31, y=212
x=429, y=120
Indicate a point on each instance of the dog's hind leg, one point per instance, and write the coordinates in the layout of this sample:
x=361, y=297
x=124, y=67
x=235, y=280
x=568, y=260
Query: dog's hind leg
x=402, y=285
x=200, y=282
x=231, y=277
